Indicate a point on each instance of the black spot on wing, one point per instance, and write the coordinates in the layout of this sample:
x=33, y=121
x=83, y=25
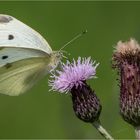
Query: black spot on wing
x=10, y=37
x=5, y=18
x=4, y=56
x=8, y=65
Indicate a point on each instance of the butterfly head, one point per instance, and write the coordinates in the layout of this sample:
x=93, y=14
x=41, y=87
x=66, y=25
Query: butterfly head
x=55, y=59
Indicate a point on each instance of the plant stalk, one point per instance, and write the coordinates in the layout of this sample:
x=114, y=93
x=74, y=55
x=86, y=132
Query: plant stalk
x=137, y=132
x=101, y=130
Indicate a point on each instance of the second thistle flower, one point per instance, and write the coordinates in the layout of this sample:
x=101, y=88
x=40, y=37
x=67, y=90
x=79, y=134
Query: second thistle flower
x=127, y=61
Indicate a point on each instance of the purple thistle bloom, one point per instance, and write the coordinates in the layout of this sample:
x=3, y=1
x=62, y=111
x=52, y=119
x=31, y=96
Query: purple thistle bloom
x=73, y=74
x=127, y=61
x=72, y=78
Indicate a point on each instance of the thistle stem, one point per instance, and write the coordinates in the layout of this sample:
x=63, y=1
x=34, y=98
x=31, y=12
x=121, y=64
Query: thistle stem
x=137, y=132
x=101, y=130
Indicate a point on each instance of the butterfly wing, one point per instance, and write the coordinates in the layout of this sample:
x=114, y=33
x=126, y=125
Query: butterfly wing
x=13, y=54
x=18, y=77
x=25, y=56
x=15, y=33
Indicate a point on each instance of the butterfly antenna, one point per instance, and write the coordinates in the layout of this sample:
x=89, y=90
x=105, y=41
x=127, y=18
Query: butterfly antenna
x=73, y=39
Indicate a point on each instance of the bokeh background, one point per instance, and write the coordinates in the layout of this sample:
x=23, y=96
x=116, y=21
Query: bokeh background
x=43, y=114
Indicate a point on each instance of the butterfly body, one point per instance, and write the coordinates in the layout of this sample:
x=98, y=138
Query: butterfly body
x=25, y=56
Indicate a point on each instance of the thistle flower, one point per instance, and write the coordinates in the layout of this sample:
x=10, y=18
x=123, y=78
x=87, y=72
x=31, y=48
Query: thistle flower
x=127, y=61
x=72, y=78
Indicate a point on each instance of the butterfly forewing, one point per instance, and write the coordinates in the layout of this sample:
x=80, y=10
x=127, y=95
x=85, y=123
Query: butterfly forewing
x=13, y=54
x=15, y=33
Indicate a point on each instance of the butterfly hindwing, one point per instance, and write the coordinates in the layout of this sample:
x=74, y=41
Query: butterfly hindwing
x=18, y=77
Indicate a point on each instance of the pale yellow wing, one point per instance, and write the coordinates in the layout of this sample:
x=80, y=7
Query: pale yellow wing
x=15, y=33
x=18, y=77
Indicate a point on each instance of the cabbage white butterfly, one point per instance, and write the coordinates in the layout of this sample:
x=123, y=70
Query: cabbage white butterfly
x=25, y=56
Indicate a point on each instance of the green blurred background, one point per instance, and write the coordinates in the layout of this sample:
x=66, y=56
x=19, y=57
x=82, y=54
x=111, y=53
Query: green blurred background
x=43, y=114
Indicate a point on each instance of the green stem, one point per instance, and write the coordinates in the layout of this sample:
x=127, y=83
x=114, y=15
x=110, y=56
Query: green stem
x=137, y=132
x=101, y=130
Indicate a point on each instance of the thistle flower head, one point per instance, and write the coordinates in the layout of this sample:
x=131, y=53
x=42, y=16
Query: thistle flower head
x=127, y=61
x=73, y=74
x=73, y=78
x=125, y=48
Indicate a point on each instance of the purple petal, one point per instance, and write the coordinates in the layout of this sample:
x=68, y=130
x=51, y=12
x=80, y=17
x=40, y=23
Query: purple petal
x=73, y=74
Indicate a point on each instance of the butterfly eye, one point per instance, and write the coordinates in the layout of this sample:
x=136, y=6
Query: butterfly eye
x=4, y=57
x=10, y=37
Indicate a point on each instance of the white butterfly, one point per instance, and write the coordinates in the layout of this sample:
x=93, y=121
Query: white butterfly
x=25, y=56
